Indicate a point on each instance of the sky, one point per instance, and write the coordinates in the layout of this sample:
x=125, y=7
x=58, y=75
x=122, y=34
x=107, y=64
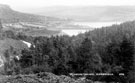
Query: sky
x=16, y=4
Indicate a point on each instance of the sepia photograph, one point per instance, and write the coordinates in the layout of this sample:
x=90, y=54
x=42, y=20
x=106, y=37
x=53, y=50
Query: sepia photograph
x=67, y=41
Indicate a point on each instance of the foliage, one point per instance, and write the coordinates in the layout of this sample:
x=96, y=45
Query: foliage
x=108, y=50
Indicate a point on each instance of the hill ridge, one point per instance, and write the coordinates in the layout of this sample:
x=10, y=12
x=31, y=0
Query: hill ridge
x=8, y=15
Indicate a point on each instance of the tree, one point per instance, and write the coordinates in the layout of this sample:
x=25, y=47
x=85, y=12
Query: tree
x=9, y=34
x=120, y=56
x=26, y=59
x=126, y=55
x=84, y=56
x=11, y=66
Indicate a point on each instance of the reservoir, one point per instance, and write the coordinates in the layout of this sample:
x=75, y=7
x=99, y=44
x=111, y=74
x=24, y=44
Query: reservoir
x=92, y=25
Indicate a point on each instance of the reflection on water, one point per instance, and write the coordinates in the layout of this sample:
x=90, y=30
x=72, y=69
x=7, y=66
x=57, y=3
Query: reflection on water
x=71, y=32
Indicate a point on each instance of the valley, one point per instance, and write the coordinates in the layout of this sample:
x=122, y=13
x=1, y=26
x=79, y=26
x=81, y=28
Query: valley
x=40, y=25
x=45, y=48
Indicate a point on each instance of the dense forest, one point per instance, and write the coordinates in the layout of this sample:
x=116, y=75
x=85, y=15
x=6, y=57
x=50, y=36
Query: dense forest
x=106, y=50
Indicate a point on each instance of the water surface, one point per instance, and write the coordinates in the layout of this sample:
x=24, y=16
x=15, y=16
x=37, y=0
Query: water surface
x=72, y=32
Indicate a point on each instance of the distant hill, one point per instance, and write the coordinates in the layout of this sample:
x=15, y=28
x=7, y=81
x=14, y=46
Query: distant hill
x=89, y=13
x=44, y=32
x=7, y=15
x=28, y=23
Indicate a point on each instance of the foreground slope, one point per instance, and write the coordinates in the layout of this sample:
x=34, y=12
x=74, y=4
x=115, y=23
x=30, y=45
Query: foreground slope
x=7, y=45
x=41, y=78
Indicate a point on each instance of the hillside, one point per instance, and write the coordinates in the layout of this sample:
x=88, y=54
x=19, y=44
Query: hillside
x=8, y=15
x=45, y=32
x=7, y=43
x=6, y=46
x=89, y=13
x=30, y=24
